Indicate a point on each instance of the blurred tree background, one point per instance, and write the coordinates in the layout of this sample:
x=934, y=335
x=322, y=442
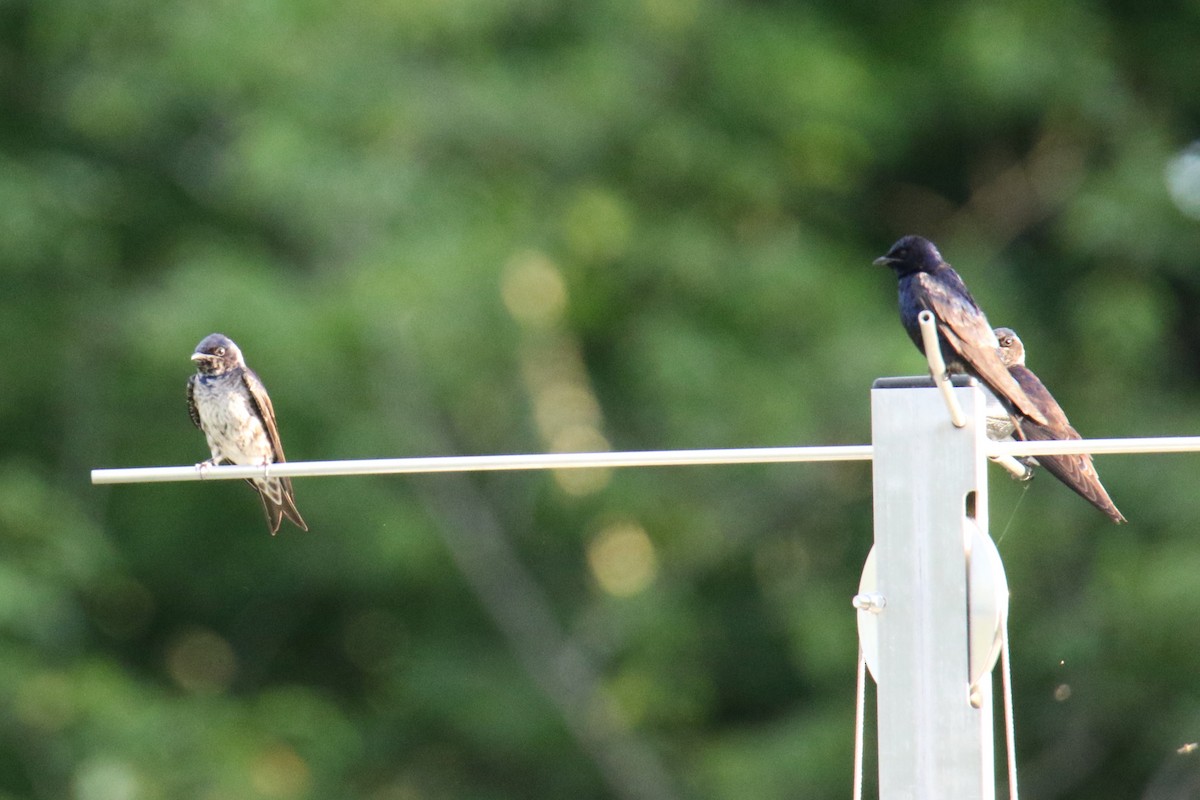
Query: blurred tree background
x=492, y=226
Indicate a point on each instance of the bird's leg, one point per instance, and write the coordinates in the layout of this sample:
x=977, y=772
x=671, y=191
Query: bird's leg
x=1029, y=462
x=203, y=466
x=265, y=463
x=951, y=369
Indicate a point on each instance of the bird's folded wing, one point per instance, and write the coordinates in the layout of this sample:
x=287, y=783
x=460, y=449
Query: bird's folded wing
x=966, y=329
x=266, y=412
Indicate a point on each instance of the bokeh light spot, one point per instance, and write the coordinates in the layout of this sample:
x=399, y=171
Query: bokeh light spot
x=280, y=772
x=201, y=661
x=622, y=559
x=106, y=779
x=533, y=290
x=1183, y=180
x=581, y=439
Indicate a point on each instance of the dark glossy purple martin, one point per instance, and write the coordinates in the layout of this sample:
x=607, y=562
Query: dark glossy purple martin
x=1076, y=471
x=927, y=282
x=229, y=403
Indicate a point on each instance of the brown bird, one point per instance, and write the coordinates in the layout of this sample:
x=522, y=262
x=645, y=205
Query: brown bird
x=1076, y=471
x=229, y=403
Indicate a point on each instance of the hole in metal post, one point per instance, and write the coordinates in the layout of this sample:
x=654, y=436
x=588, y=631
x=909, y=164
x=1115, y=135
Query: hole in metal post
x=969, y=506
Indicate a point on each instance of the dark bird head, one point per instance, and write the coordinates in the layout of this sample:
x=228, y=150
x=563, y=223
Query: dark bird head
x=911, y=254
x=1012, y=350
x=217, y=354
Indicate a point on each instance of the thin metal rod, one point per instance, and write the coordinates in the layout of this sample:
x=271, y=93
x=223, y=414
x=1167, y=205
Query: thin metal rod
x=385, y=466
x=645, y=458
x=1161, y=444
x=937, y=367
x=860, y=723
x=1010, y=728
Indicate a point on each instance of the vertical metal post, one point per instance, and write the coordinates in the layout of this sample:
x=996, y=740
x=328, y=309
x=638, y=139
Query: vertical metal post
x=930, y=485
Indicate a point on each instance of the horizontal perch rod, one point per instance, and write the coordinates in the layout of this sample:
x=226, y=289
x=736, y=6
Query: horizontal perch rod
x=645, y=458
x=1153, y=444
x=385, y=466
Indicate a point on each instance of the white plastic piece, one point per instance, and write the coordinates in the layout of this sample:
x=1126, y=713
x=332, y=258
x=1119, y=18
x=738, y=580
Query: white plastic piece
x=1014, y=467
x=937, y=367
x=987, y=588
x=987, y=604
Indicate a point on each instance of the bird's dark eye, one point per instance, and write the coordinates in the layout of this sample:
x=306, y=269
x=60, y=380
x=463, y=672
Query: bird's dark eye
x=220, y=351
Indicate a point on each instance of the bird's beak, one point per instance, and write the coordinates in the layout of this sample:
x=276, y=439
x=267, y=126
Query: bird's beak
x=200, y=356
x=882, y=261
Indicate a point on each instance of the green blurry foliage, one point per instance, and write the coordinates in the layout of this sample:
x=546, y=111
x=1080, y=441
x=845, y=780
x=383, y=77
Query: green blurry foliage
x=484, y=227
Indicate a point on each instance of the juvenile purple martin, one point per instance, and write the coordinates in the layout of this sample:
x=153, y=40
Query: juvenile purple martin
x=229, y=403
x=1076, y=471
x=968, y=344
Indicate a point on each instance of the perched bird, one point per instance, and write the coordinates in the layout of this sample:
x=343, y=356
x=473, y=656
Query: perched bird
x=1076, y=471
x=968, y=344
x=229, y=403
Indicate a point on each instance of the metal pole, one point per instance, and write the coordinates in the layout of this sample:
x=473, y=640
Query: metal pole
x=930, y=486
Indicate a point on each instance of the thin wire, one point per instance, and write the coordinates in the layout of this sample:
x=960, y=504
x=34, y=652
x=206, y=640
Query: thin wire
x=384, y=466
x=937, y=368
x=1010, y=728
x=1013, y=514
x=860, y=717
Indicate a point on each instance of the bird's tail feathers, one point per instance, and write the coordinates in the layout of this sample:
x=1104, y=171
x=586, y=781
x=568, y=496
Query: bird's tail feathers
x=278, y=501
x=1076, y=471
